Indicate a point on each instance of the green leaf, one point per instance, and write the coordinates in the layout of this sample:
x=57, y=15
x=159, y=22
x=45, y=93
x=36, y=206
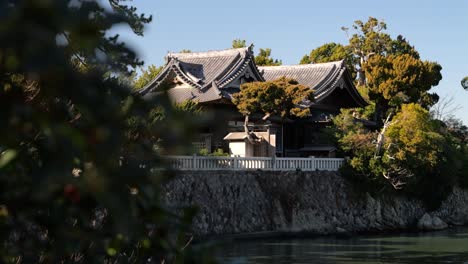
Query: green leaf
x=111, y=252
x=7, y=156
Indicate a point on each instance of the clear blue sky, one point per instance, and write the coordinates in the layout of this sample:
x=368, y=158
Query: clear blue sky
x=438, y=29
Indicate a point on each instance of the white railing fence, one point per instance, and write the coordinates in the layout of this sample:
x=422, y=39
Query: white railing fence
x=254, y=163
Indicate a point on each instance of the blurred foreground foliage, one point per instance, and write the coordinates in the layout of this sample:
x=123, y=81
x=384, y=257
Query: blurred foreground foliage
x=75, y=180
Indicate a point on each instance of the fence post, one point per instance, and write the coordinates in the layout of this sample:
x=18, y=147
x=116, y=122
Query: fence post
x=313, y=163
x=273, y=162
x=194, y=163
x=236, y=164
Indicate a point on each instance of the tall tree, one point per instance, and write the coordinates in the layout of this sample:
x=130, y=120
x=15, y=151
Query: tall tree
x=368, y=39
x=146, y=76
x=264, y=58
x=389, y=71
x=397, y=83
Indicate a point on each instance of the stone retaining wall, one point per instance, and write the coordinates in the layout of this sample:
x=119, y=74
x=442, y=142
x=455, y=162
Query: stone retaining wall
x=241, y=202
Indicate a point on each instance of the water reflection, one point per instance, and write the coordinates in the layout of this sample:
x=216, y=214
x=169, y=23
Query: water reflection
x=450, y=246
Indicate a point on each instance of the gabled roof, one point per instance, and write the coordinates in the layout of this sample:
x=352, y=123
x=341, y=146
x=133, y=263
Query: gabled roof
x=323, y=78
x=206, y=73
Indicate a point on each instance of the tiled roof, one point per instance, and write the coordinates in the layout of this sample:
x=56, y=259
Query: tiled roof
x=316, y=76
x=206, y=72
x=323, y=78
x=208, y=75
x=206, y=67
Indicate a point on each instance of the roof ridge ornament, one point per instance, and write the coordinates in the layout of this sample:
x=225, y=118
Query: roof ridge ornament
x=310, y=65
x=343, y=64
x=250, y=48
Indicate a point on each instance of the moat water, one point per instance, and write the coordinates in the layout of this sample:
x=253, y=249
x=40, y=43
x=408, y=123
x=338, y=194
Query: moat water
x=448, y=246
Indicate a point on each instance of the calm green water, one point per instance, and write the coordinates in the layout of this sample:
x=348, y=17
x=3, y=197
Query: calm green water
x=449, y=246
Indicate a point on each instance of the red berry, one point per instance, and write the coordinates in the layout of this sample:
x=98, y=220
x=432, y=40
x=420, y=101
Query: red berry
x=72, y=193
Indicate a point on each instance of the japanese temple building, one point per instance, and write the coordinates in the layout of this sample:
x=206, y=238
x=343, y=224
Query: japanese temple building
x=211, y=78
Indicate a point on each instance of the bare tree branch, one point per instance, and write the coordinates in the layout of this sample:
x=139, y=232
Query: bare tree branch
x=445, y=108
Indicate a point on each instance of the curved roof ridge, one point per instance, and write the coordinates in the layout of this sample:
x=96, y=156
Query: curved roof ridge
x=184, y=76
x=232, y=68
x=345, y=76
x=318, y=76
x=249, y=60
x=243, y=58
x=162, y=75
x=298, y=66
x=207, y=54
x=174, y=66
x=330, y=79
x=331, y=84
x=236, y=71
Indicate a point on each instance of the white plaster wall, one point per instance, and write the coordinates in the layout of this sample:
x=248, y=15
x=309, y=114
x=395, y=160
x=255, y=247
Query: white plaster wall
x=237, y=148
x=249, y=150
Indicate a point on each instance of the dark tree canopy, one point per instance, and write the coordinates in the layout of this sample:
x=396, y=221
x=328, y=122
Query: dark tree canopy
x=129, y=13
x=400, y=46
